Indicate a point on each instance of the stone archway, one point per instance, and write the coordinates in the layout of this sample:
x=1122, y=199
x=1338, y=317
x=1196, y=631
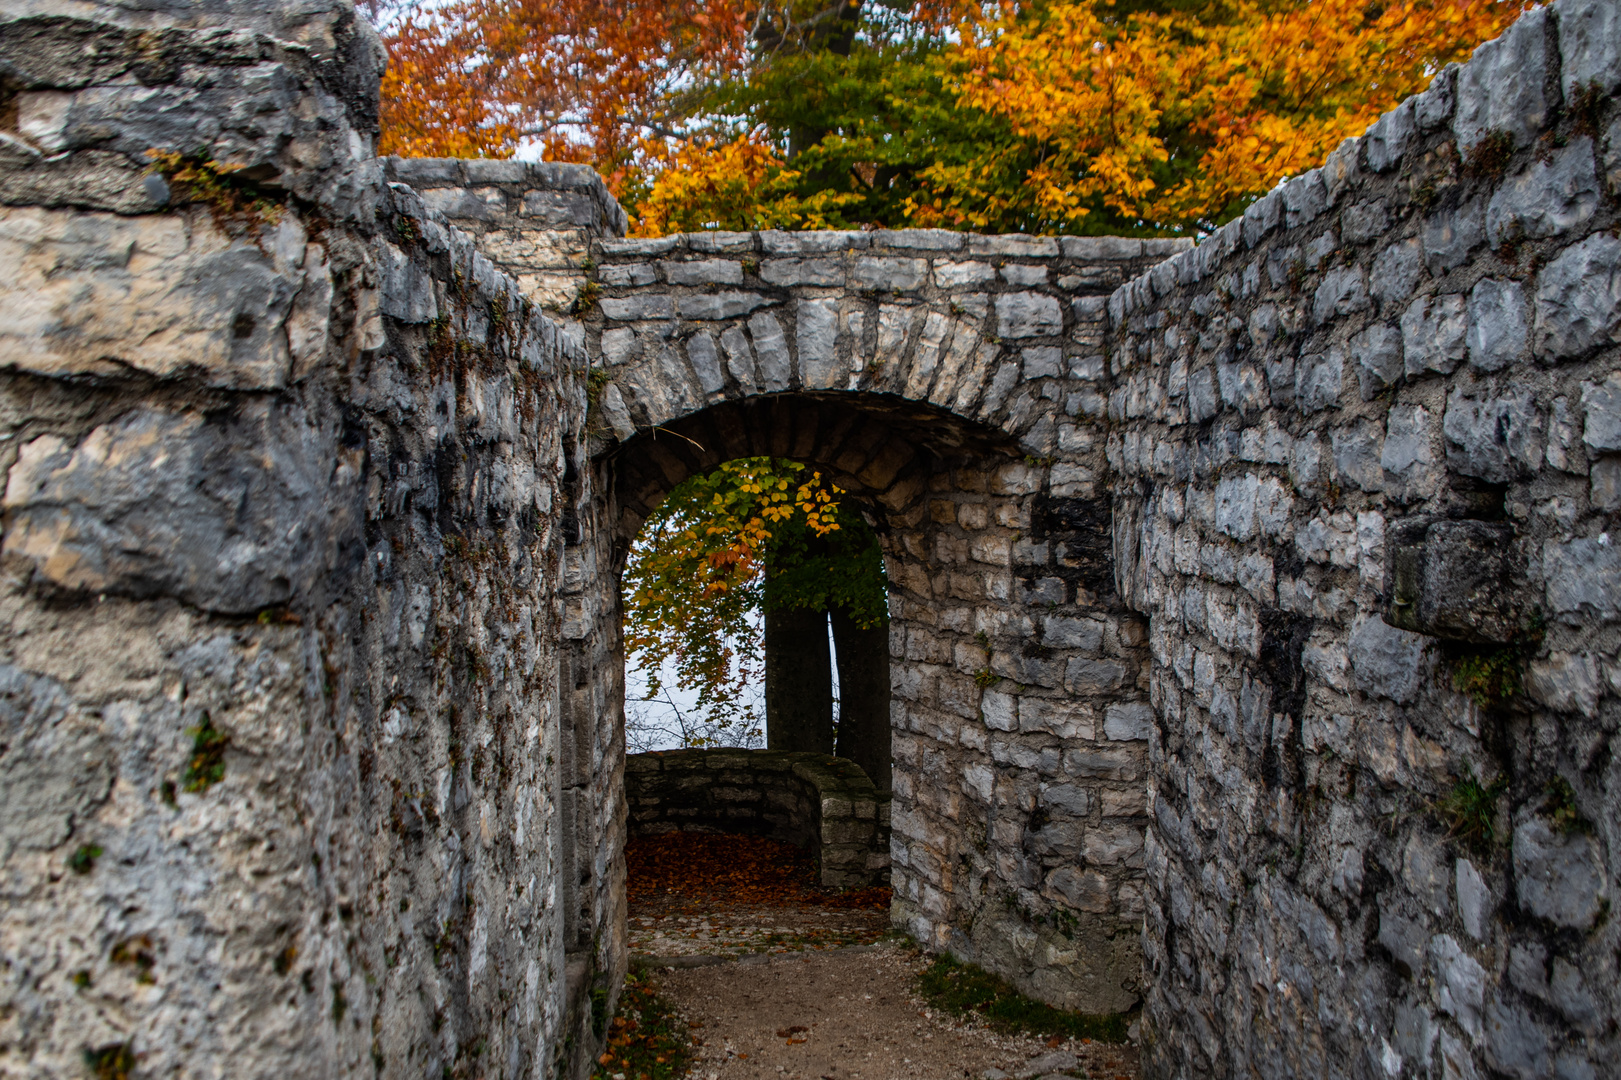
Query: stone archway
x=941, y=381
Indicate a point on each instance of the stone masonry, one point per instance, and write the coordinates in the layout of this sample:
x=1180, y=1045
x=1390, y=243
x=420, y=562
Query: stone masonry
x=1388, y=397
x=1254, y=604
x=952, y=384
x=286, y=492
x=824, y=804
x=535, y=220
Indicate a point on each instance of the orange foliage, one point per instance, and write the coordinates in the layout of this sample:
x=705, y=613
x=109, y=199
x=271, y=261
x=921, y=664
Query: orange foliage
x=1181, y=118
x=586, y=78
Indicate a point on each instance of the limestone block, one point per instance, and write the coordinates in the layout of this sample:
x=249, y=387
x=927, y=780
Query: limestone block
x=1387, y=140
x=803, y=271
x=638, y=306
x=1462, y=983
x=1583, y=573
x=1475, y=902
x=58, y=767
x=1396, y=273
x=1410, y=455
x=1589, y=46
x=772, y=362
x=1459, y=580
x=1318, y=381
x=716, y=306
x=1433, y=108
x=1344, y=291
x=1377, y=352
x=1304, y=198
x=1515, y=1044
x=739, y=356
x=1452, y=235
x=918, y=239
x=895, y=275
x=1357, y=453
x=1495, y=439
x=705, y=361
x=1261, y=217
x=640, y=248
x=1028, y=314
x=956, y=275
x=1501, y=87
x=94, y=293
x=1578, y=300
x=1062, y=632
x=1435, y=334
x=1013, y=244
x=475, y=204
x=231, y=516
x=1364, y=222
x=1499, y=331
x=1023, y=275
x=703, y=272
x=553, y=209
x=775, y=242
x=1128, y=722
x=816, y=333
x=1558, y=877
x=1602, y=403
x=632, y=275
x=720, y=240
x=1550, y=198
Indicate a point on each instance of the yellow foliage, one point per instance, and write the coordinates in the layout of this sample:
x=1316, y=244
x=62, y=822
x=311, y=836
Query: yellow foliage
x=740, y=184
x=1121, y=107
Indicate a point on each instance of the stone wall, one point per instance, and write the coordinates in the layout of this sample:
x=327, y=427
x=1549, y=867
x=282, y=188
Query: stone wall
x=534, y=220
x=955, y=386
x=1202, y=593
x=287, y=483
x=813, y=801
x=1389, y=396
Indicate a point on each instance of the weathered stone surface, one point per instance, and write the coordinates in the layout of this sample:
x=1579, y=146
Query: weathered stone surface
x=1021, y=315
x=1496, y=439
x=1501, y=88
x=1435, y=334
x=703, y=272
x=817, y=327
x=1459, y=580
x=93, y=294
x=1548, y=199
x=1578, y=300
x=171, y=503
x=803, y=271
x=1558, y=877
x=1589, y=46
x=1499, y=333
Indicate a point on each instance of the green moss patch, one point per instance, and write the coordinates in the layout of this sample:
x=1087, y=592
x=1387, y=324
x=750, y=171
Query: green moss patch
x=646, y=1039
x=965, y=990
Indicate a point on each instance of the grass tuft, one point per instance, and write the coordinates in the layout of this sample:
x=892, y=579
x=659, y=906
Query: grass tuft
x=1470, y=812
x=965, y=990
x=646, y=1039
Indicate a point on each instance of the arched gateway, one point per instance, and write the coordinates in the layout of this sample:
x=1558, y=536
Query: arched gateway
x=1254, y=604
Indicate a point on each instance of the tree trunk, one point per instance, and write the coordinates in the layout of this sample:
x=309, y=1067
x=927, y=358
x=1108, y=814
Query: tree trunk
x=863, y=734
x=798, y=680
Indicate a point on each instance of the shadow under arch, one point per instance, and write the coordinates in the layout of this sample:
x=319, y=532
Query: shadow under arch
x=878, y=447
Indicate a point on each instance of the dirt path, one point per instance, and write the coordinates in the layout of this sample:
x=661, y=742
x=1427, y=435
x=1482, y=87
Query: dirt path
x=855, y=1014
x=789, y=982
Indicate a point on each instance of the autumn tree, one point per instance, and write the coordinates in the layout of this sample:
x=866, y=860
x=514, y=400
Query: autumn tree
x=765, y=535
x=1176, y=115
